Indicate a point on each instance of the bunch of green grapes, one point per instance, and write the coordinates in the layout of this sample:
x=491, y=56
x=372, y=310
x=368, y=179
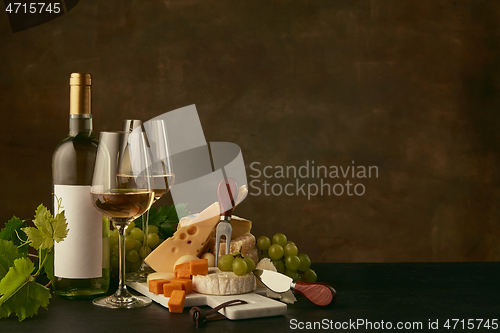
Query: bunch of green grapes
x=237, y=263
x=286, y=257
x=134, y=250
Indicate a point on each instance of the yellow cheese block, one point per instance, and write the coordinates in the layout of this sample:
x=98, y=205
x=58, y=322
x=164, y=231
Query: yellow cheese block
x=240, y=225
x=190, y=239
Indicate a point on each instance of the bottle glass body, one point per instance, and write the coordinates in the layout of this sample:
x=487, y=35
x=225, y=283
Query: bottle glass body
x=73, y=166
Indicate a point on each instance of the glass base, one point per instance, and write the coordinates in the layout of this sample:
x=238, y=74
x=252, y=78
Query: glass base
x=120, y=302
x=141, y=275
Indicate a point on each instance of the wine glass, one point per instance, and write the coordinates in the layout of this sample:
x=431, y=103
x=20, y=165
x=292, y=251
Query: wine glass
x=162, y=173
x=121, y=190
x=162, y=179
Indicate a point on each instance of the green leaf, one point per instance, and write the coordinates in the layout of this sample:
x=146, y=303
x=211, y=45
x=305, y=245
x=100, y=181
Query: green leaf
x=9, y=231
x=60, y=227
x=48, y=267
x=12, y=231
x=15, y=278
x=181, y=210
x=39, y=239
x=165, y=218
x=21, y=295
x=43, y=219
x=48, y=229
x=8, y=253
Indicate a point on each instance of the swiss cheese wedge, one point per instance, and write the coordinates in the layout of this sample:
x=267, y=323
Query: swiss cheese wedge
x=190, y=239
x=239, y=225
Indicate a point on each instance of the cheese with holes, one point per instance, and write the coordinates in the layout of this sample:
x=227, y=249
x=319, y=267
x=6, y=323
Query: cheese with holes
x=240, y=225
x=191, y=239
x=217, y=282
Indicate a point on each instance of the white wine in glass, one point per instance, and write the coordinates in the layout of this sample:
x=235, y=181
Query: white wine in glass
x=122, y=156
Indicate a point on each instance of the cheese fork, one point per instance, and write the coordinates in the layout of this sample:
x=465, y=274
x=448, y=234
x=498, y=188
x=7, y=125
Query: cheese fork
x=227, y=192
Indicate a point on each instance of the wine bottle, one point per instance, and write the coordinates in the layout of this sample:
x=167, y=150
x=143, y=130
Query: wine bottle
x=81, y=260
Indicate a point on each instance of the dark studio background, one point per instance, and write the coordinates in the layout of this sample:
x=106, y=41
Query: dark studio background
x=411, y=87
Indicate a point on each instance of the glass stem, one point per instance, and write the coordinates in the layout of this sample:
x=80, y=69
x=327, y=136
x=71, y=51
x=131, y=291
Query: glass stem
x=145, y=227
x=122, y=288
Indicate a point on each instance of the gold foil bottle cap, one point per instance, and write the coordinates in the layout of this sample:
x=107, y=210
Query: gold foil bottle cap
x=80, y=93
x=80, y=79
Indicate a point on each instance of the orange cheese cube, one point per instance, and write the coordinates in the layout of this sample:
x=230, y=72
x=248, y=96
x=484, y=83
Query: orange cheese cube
x=186, y=284
x=156, y=286
x=176, y=301
x=168, y=288
x=198, y=267
x=182, y=271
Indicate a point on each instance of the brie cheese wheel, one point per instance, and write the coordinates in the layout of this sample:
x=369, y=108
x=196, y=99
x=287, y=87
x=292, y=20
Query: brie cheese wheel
x=217, y=282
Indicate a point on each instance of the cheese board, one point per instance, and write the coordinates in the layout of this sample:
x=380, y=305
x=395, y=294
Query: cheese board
x=257, y=305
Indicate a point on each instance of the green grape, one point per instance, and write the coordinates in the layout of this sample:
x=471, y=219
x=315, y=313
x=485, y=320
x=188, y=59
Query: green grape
x=131, y=226
x=152, y=229
x=250, y=264
x=135, y=265
x=290, y=249
x=309, y=276
x=280, y=266
x=275, y=252
x=132, y=255
x=290, y=242
x=144, y=255
x=129, y=243
x=225, y=263
x=239, y=266
x=137, y=233
x=280, y=239
x=114, y=261
x=292, y=263
x=153, y=240
x=128, y=267
x=113, y=234
x=138, y=245
x=112, y=242
x=115, y=249
x=305, y=262
x=293, y=274
x=263, y=243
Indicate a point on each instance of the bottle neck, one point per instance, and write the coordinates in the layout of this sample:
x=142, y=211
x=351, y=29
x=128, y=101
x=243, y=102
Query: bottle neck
x=80, y=123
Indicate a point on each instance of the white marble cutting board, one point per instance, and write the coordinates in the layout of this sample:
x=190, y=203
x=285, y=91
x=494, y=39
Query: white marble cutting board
x=258, y=305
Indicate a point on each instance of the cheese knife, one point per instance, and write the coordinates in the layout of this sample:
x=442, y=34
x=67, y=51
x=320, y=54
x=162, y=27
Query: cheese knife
x=318, y=293
x=226, y=192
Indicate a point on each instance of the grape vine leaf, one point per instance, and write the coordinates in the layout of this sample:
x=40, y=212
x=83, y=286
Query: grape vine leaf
x=165, y=218
x=12, y=232
x=47, y=229
x=20, y=294
x=60, y=227
x=8, y=253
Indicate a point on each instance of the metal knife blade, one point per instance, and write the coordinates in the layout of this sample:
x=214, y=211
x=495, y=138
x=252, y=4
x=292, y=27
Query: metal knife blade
x=277, y=282
x=319, y=293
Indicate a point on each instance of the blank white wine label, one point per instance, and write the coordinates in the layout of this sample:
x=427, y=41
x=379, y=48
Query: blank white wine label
x=79, y=255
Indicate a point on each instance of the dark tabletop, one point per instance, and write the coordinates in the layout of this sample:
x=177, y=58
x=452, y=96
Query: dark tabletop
x=407, y=293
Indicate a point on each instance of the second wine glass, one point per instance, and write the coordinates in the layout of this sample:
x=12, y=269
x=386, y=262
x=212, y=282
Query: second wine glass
x=162, y=179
